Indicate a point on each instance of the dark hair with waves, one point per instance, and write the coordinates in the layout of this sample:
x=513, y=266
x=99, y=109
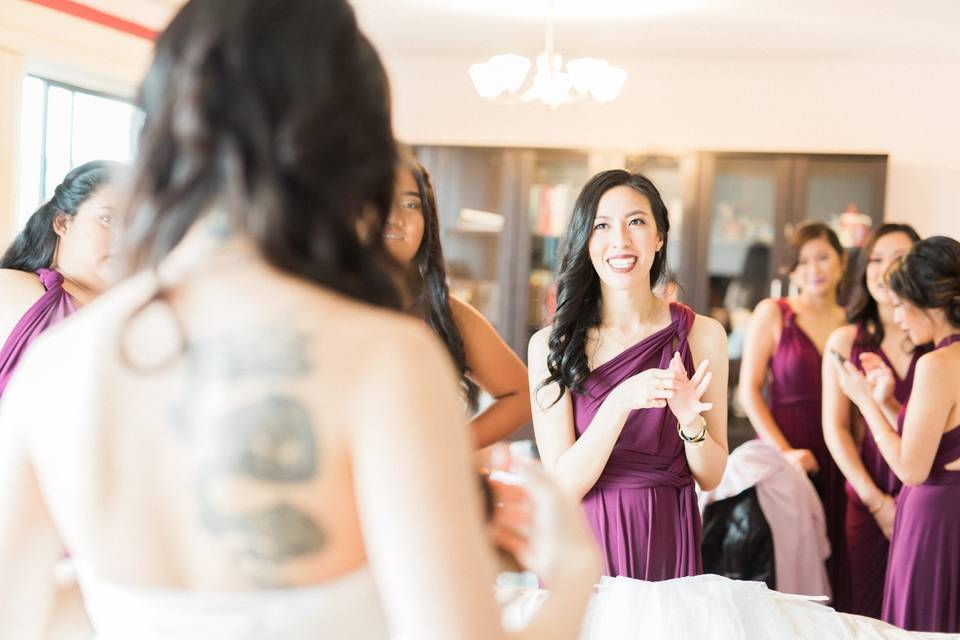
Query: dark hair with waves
x=578, y=285
x=428, y=282
x=279, y=112
x=862, y=308
x=929, y=276
x=35, y=246
x=805, y=232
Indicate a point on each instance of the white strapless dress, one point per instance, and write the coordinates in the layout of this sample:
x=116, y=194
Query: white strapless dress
x=348, y=607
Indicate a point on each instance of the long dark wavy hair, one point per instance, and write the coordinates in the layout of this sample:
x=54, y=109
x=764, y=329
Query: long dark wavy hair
x=428, y=281
x=929, y=276
x=578, y=285
x=278, y=112
x=862, y=308
x=35, y=246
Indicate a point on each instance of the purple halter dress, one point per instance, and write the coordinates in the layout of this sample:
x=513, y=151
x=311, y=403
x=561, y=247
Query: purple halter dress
x=53, y=306
x=795, y=394
x=643, y=508
x=922, y=587
x=867, y=547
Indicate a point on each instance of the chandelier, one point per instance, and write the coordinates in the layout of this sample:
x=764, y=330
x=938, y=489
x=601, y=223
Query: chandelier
x=502, y=77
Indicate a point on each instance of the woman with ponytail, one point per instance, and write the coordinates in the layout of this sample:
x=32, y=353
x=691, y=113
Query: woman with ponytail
x=481, y=357
x=59, y=262
x=920, y=440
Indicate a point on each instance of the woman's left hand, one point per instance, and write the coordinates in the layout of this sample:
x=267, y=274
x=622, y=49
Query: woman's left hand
x=685, y=403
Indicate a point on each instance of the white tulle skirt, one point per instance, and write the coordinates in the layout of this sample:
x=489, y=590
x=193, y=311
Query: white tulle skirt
x=703, y=607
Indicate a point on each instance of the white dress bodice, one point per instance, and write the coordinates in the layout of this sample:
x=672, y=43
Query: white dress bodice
x=347, y=607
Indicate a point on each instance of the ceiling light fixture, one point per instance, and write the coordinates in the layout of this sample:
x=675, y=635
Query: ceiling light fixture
x=501, y=77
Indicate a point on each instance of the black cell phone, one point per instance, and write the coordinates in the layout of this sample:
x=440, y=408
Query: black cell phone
x=838, y=356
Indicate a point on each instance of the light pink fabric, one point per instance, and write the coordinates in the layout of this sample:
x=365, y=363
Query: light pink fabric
x=792, y=508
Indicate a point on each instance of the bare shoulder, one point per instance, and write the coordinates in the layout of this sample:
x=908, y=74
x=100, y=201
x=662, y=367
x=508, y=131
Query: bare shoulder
x=463, y=309
x=539, y=346
x=390, y=368
x=708, y=339
x=467, y=316
x=767, y=311
x=939, y=365
x=388, y=346
x=19, y=287
x=934, y=377
x=841, y=339
x=17, y=278
x=706, y=329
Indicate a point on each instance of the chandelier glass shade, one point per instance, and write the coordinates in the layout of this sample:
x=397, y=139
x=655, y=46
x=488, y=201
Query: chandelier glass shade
x=504, y=77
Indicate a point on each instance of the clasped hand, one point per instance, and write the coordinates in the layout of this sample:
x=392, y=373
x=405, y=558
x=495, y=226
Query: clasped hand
x=670, y=387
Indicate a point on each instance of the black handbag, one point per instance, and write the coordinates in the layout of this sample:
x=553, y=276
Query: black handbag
x=737, y=541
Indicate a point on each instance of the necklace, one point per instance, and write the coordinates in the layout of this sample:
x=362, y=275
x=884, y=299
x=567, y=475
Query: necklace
x=619, y=345
x=631, y=339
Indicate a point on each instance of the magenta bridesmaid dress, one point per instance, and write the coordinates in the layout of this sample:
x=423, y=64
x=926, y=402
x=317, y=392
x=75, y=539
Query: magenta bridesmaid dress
x=867, y=547
x=795, y=395
x=53, y=306
x=922, y=587
x=643, y=508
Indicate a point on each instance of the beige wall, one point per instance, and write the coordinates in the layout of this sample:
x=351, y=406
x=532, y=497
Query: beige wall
x=11, y=74
x=37, y=40
x=907, y=109
x=72, y=50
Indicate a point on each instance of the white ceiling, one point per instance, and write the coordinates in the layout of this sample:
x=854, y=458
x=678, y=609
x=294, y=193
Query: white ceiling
x=643, y=28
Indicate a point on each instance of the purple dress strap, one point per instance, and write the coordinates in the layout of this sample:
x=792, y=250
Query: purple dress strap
x=53, y=306
x=795, y=394
x=867, y=547
x=643, y=508
x=922, y=587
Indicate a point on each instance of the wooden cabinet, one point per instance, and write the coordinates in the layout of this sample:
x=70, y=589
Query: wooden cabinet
x=749, y=204
x=503, y=212
x=475, y=208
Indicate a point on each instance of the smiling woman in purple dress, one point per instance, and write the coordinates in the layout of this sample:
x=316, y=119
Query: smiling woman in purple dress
x=622, y=417
x=784, y=343
x=921, y=441
x=483, y=360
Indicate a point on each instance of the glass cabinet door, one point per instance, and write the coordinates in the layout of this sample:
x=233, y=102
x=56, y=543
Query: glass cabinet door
x=847, y=193
x=556, y=180
x=666, y=173
x=743, y=209
x=467, y=183
x=741, y=245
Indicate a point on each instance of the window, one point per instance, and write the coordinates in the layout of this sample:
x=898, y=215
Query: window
x=62, y=127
